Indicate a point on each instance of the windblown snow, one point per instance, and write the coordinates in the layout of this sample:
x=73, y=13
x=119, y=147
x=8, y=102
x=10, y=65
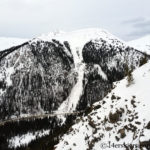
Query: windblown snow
x=118, y=121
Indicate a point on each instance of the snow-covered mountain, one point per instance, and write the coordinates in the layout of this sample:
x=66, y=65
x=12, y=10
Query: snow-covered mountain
x=6, y=42
x=60, y=72
x=119, y=121
x=142, y=44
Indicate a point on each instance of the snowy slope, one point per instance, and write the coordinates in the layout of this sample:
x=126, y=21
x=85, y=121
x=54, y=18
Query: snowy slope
x=122, y=117
x=9, y=42
x=142, y=44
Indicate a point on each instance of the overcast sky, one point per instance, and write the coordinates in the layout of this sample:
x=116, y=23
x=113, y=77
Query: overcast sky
x=127, y=19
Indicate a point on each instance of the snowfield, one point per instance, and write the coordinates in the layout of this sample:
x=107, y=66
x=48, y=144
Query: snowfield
x=79, y=37
x=142, y=44
x=120, y=119
x=10, y=42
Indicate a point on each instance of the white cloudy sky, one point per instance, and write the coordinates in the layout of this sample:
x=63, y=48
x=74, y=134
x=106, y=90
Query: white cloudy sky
x=127, y=19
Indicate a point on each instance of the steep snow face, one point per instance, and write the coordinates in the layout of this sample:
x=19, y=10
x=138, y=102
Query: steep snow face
x=142, y=44
x=6, y=43
x=119, y=121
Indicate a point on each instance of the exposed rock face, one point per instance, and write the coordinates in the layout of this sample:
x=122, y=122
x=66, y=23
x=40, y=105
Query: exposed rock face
x=38, y=76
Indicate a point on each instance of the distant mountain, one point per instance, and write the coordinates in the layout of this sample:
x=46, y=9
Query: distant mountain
x=119, y=121
x=6, y=42
x=142, y=44
x=60, y=72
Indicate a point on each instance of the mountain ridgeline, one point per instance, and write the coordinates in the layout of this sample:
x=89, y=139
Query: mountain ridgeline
x=38, y=76
x=45, y=76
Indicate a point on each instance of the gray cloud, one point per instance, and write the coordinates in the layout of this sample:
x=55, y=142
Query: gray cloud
x=139, y=33
x=143, y=24
x=140, y=27
x=134, y=20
